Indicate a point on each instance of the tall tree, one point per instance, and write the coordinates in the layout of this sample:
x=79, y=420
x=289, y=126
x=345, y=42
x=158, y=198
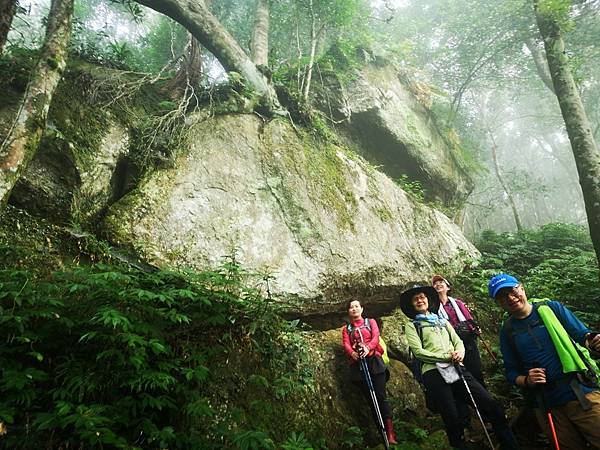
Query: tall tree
x=23, y=138
x=8, y=9
x=503, y=183
x=587, y=157
x=325, y=17
x=196, y=17
x=316, y=30
x=539, y=60
x=260, y=34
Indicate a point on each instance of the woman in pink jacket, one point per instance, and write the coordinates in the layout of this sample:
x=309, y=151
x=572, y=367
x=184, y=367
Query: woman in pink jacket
x=360, y=338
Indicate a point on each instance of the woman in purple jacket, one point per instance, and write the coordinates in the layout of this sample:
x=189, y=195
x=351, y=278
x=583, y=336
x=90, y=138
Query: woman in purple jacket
x=459, y=316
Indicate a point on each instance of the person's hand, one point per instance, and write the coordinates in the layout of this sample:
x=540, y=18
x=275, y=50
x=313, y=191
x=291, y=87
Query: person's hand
x=456, y=357
x=536, y=376
x=355, y=356
x=363, y=350
x=476, y=328
x=593, y=342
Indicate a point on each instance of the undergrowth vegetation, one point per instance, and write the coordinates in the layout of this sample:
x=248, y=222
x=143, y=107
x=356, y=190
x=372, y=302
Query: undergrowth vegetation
x=102, y=353
x=555, y=261
x=105, y=355
x=99, y=354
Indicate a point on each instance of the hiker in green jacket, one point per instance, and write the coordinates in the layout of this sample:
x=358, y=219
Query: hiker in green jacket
x=541, y=353
x=434, y=342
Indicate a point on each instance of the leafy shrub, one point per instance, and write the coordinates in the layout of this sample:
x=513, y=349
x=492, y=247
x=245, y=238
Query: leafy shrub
x=522, y=251
x=111, y=356
x=554, y=261
x=353, y=438
x=413, y=188
x=297, y=442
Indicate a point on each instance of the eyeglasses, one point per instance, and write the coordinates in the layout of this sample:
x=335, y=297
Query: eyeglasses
x=504, y=293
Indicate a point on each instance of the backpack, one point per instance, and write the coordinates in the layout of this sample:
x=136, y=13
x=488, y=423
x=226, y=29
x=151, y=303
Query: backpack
x=382, y=344
x=416, y=365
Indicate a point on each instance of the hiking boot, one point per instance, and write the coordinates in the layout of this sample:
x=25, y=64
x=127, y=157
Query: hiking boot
x=389, y=431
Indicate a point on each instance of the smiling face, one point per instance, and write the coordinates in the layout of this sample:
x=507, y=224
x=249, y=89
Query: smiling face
x=420, y=302
x=514, y=301
x=355, y=310
x=441, y=287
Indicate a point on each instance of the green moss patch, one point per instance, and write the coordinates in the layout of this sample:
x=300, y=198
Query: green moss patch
x=315, y=162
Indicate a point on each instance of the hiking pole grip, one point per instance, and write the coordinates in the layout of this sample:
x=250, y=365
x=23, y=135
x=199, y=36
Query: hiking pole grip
x=541, y=395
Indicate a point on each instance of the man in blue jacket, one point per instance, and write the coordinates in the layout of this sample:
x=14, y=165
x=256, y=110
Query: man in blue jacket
x=531, y=361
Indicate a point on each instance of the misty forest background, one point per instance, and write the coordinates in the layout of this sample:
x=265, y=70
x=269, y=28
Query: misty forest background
x=514, y=84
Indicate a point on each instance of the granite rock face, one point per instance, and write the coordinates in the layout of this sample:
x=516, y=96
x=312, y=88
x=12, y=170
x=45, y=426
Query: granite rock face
x=383, y=115
x=318, y=219
x=303, y=208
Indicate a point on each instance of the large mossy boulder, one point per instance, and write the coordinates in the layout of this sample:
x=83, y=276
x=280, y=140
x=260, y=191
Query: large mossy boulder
x=316, y=219
x=294, y=205
x=386, y=118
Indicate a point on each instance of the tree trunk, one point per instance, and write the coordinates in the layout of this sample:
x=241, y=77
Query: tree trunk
x=189, y=74
x=197, y=19
x=314, y=40
x=511, y=198
x=541, y=65
x=587, y=157
x=260, y=37
x=23, y=139
x=8, y=9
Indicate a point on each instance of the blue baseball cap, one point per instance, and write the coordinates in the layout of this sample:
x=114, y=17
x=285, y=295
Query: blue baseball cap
x=502, y=280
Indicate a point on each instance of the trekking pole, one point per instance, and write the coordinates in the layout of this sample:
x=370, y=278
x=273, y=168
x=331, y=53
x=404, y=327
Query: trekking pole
x=542, y=399
x=367, y=375
x=489, y=350
x=553, y=430
x=461, y=375
x=365, y=370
